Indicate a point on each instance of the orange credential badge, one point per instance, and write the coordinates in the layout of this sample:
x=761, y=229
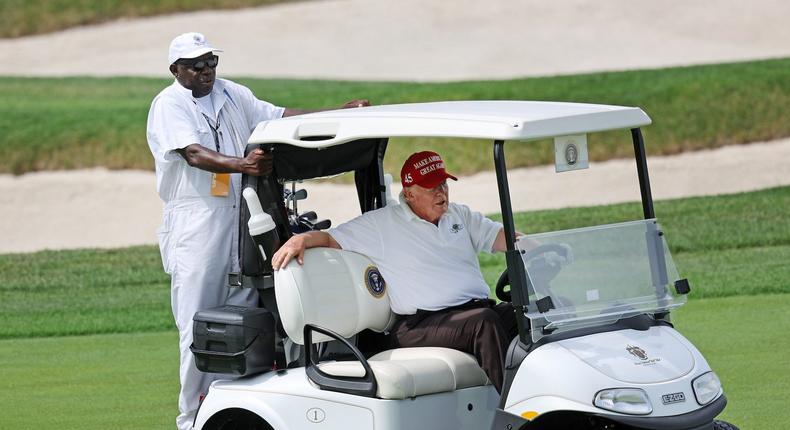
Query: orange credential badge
x=220, y=184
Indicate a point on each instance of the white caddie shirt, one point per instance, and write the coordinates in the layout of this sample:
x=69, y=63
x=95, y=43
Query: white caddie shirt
x=176, y=120
x=426, y=266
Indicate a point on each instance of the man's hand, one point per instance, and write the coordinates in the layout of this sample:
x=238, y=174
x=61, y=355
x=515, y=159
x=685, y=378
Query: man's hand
x=256, y=163
x=296, y=245
x=563, y=258
x=356, y=103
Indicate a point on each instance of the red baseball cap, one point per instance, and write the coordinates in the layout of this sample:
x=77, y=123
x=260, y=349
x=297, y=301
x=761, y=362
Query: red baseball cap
x=425, y=169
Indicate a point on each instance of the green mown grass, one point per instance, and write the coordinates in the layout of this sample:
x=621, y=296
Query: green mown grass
x=67, y=123
x=56, y=293
x=744, y=339
x=118, y=381
x=25, y=17
x=737, y=272
x=130, y=381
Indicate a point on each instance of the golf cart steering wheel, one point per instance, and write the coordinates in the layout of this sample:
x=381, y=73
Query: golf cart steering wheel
x=501, y=283
x=504, y=278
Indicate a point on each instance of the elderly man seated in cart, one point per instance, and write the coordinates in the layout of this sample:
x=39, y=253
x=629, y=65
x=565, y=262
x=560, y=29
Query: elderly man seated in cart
x=426, y=249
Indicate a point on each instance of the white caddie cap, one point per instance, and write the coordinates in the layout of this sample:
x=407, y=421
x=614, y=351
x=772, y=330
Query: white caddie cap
x=189, y=45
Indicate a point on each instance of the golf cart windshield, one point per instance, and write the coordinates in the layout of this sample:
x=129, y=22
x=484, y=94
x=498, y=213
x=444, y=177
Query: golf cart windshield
x=598, y=275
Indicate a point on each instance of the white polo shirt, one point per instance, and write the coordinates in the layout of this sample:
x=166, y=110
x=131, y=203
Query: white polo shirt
x=426, y=266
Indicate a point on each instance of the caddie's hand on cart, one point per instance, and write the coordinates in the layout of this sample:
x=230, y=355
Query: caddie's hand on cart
x=356, y=103
x=257, y=163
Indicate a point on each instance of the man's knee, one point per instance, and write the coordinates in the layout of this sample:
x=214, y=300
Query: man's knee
x=484, y=318
x=489, y=331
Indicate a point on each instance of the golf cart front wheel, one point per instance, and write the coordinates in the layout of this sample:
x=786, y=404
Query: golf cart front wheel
x=723, y=425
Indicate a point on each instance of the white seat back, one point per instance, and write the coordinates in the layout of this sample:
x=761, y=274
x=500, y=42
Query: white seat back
x=338, y=290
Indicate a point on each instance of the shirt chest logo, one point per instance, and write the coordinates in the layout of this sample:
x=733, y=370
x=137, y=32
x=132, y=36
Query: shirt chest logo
x=456, y=228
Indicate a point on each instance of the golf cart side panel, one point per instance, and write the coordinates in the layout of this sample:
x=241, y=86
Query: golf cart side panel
x=465, y=409
x=497, y=120
x=286, y=402
x=290, y=412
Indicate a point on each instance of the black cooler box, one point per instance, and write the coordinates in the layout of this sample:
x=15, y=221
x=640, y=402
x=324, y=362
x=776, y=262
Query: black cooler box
x=233, y=340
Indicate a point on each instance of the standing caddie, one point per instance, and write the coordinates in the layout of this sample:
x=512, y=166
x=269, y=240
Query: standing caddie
x=197, y=132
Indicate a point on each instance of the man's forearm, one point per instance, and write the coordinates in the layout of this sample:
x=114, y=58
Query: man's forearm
x=295, y=246
x=291, y=112
x=256, y=163
x=206, y=159
x=314, y=239
x=500, y=243
x=351, y=104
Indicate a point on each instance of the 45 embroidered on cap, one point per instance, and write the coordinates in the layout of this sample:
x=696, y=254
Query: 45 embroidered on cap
x=425, y=169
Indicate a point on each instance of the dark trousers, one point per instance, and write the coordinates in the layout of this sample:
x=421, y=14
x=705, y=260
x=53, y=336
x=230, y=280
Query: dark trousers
x=479, y=327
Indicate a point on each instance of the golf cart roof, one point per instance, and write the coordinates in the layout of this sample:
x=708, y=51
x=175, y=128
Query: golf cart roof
x=496, y=120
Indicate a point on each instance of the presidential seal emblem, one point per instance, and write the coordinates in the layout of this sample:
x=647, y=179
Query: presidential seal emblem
x=375, y=282
x=571, y=154
x=637, y=352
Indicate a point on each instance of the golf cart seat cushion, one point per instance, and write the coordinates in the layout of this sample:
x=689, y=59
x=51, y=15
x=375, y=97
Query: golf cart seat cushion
x=331, y=290
x=409, y=372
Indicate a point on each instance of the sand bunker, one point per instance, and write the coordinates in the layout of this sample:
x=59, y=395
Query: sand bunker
x=423, y=40
x=108, y=209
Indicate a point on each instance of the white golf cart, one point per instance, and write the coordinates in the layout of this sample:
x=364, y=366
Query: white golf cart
x=596, y=348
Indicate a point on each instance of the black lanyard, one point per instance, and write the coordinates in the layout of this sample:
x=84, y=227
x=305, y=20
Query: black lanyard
x=214, y=129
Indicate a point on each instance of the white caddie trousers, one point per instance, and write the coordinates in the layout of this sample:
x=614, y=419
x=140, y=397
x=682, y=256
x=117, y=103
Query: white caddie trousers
x=190, y=236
